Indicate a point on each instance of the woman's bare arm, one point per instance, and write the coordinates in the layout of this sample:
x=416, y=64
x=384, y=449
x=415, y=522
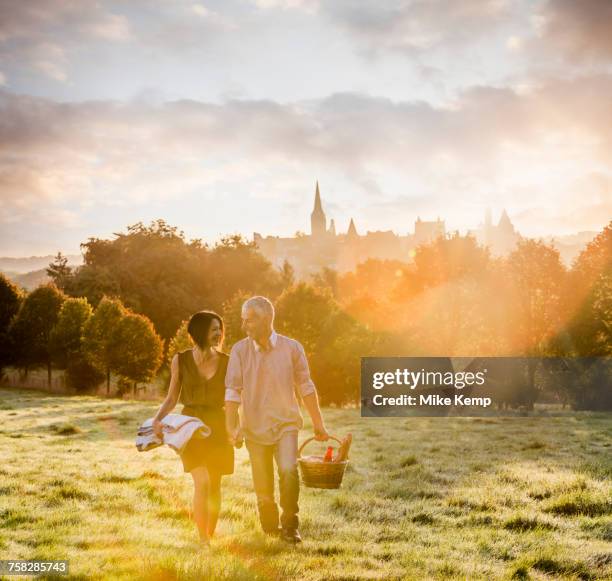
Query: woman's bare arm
x=171, y=399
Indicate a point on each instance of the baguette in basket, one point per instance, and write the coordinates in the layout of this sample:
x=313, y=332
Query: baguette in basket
x=343, y=451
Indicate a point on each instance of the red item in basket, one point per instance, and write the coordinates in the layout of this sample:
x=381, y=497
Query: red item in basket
x=329, y=454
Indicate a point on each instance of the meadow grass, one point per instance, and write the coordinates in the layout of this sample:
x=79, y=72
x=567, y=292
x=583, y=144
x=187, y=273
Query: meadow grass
x=423, y=498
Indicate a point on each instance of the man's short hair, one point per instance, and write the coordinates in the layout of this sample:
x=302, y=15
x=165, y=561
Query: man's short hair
x=260, y=304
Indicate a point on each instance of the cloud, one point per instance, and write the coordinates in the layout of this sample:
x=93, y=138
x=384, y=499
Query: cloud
x=415, y=26
x=310, y=6
x=578, y=32
x=37, y=35
x=489, y=145
x=39, y=18
x=45, y=36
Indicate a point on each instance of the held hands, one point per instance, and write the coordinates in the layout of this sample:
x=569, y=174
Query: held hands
x=236, y=438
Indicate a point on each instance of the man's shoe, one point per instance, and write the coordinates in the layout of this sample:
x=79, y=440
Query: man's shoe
x=291, y=536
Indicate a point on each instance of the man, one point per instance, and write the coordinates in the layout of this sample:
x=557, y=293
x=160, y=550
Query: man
x=264, y=372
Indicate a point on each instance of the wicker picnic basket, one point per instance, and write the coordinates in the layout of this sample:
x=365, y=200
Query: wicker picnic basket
x=319, y=474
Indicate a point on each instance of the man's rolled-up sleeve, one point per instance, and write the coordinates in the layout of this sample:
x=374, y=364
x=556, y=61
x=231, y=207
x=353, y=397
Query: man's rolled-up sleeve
x=233, y=377
x=301, y=372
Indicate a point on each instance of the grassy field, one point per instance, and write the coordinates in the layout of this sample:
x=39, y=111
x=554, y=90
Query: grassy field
x=425, y=498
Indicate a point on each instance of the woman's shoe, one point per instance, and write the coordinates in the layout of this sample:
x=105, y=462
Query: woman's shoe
x=200, y=545
x=273, y=532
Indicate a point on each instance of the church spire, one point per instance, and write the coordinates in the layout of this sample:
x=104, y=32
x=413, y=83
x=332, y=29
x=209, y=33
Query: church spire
x=317, y=204
x=352, y=231
x=332, y=227
x=504, y=222
x=317, y=217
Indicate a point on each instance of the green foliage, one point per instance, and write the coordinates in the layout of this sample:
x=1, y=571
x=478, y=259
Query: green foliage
x=59, y=271
x=333, y=340
x=327, y=278
x=602, y=312
x=450, y=258
x=66, y=344
x=11, y=298
x=180, y=342
x=31, y=329
x=119, y=341
x=237, y=265
x=590, y=297
x=100, y=346
x=454, y=300
x=155, y=271
x=140, y=348
x=301, y=312
x=82, y=375
x=67, y=335
x=536, y=276
x=232, y=318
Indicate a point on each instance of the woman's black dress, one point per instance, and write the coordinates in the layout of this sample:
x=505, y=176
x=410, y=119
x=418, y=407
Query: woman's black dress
x=205, y=399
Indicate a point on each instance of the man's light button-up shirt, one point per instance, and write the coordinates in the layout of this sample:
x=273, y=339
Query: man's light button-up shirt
x=266, y=382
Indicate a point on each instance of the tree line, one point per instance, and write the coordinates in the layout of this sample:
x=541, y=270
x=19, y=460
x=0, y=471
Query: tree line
x=124, y=310
x=48, y=328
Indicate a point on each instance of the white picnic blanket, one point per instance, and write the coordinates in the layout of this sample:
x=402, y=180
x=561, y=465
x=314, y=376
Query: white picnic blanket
x=177, y=430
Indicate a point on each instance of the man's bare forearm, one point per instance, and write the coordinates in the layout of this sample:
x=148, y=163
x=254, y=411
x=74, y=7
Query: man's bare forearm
x=311, y=403
x=231, y=416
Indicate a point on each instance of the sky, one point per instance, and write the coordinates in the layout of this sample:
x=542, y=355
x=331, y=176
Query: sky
x=220, y=116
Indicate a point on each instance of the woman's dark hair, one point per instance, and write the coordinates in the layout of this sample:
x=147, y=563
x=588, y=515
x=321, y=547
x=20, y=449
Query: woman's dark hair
x=199, y=326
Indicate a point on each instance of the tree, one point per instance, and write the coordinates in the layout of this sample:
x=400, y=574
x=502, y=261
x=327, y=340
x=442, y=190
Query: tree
x=180, y=342
x=66, y=344
x=236, y=265
x=141, y=349
x=67, y=336
x=287, y=274
x=82, y=375
x=100, y=344
x=31, y=329
x=156, y=272
x=301, y=311
x=232, y=318
x=327, y=278
x=368, y=293
x=450, y=258
x=59, y=271
x=447, y=319
x=602, y=312
x=588, y=297
x=11, y=298
x=152, y=269
x=334, y=342
x=535, y=279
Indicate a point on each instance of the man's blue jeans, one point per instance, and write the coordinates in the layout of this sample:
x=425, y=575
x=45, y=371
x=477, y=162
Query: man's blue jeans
x=262, y=464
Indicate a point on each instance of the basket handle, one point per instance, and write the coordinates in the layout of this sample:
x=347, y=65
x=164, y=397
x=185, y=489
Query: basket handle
x=314, y=438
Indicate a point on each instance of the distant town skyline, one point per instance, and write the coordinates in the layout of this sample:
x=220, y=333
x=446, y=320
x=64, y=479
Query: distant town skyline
x=219, y=116
x=344, y=225
x=326, y=246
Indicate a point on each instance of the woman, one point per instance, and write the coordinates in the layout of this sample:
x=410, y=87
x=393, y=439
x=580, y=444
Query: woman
x=198, y=381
